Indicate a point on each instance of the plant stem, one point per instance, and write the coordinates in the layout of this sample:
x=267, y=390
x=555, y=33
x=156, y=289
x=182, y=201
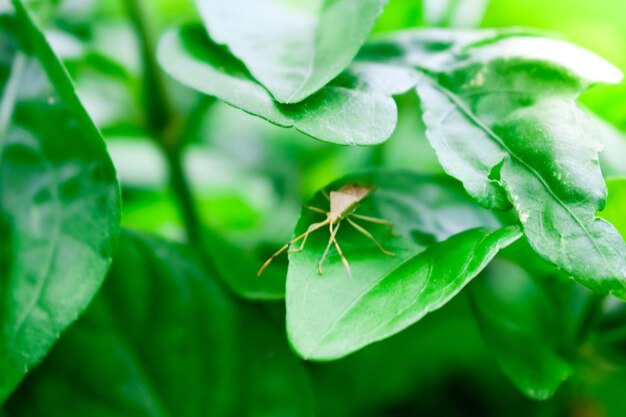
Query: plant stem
x=165, y=125
x=159, y=111
x=184, y=196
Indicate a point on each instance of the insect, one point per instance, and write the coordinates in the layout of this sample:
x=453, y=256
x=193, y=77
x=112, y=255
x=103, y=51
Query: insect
x=343, y=204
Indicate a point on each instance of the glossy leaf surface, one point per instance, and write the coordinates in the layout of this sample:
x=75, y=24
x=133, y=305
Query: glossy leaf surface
x=59, y=201
x=293, y=47
x=441, y=240
x=355, y=109
x=502, y=116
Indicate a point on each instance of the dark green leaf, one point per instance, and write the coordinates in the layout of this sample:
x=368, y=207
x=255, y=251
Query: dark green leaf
x=239, y=270
x=59, y=198
x=293, y=47
x=164, y=339
x=441, y=240
x=416, y=372
x=502, y=117
x=356, y=108
x=158, y=340
x=523, y=326
x=272, y=381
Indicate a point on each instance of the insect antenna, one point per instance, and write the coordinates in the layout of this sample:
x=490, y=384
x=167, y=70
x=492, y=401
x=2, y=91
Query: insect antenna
x=311, y=229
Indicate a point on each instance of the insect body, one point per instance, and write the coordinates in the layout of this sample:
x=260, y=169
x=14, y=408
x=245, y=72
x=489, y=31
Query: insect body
x=343, y=204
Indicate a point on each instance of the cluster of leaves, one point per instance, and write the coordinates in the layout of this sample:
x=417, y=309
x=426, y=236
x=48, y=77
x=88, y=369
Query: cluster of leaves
x=190, y=329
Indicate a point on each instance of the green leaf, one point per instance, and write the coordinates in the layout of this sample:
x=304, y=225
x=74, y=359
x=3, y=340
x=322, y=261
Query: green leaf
x=432, y=48
x=616, y=204
x=503, y=119
x=272, y=381
x=239, y=269
x=441, y=240
x=356, y=108
x=293, y=47
x=524, y=327
x=59, y=198
x=158, y=340
x=599, y=27
x=417, y=368
x=164, y=339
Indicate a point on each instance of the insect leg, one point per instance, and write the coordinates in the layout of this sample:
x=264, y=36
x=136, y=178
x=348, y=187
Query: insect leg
x=370, y=236
x=374, y=220
x=306, y=235
x=315, y=209
x=343, y=258
x=330, y=242
x=311, y=229
x=325, y=194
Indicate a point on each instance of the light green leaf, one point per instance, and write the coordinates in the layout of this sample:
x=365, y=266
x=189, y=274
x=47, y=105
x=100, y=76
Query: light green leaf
x=356, y=108
x=441, y=240
x=59, y=198
x=293, y=47
x=502, y=117
x=598, y=26
x=164, y=339
x=524, y=327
